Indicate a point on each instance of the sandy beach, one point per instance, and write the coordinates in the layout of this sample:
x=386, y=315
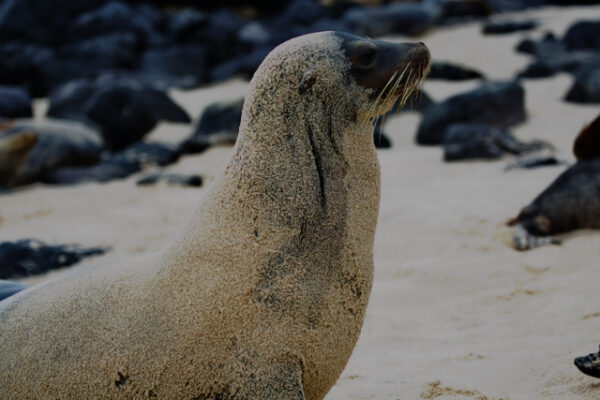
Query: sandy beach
x=455, y=312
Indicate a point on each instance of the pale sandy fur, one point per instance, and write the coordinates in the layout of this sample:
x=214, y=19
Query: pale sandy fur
x=262, y=295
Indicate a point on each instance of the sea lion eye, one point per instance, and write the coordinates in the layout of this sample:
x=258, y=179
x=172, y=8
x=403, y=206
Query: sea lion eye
x=365, y=56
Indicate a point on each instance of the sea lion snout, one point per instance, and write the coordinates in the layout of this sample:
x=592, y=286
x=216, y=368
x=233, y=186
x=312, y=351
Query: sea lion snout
x=374, y=62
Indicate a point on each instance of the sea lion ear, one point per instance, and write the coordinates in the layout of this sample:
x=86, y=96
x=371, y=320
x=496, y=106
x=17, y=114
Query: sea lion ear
x=307, y=81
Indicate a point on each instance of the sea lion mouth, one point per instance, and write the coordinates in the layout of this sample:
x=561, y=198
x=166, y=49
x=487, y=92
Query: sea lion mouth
x=393, y=71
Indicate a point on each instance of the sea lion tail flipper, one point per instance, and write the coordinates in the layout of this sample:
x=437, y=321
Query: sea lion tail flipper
x=523, y=240
x=282, y=381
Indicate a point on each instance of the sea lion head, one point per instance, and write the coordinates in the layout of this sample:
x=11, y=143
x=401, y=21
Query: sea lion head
x=363, y=76
x=391, y=71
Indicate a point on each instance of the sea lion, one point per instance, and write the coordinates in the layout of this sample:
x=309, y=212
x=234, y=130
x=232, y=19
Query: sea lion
x=589, y=365
x=570, y=202
x=13, y=152
x=263, y=294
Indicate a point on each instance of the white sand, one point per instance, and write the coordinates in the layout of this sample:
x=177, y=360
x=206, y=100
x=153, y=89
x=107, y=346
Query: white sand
x=452, y=301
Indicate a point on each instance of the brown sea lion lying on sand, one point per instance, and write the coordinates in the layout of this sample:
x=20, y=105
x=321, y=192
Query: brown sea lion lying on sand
x=571, y=202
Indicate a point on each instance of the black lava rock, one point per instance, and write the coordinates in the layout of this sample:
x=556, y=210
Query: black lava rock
x=537, y=69
x=125, y=109
x=463, y=141
x=403, y=18
x=118, y=165
x=515, y=5
x=453, y=10
x=31, y=257
x=59, y=144
x=179, y=66
x=14, y=103
x=500, y=104
x=504, y=27
x=24, y=64
x=535, y=160
x=219, y=124
x=586, y=88
x=115, y=51
x=553, y=56
x=380, y=139
x=40, y=21
x=452, y=72
x=583, y=35
x=243, y=67
x=171, y=179
x=548, y=44
x=8, y=288
x=114, y=16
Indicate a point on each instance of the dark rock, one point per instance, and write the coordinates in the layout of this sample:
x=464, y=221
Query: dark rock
x=14, y=103
x=535, y=160
x=537, y=69
x=124, y=108
x=221, y=37
x=23, y=64
x=586, y=88
x=59, y=144
x=219, y=124
x=182, y=66
x=459, y=9
x=463, y=141
x=452, y=72
x=243, y=67
x=503, y=27
x=380, y=139
x=188, y=25
x=114, y=17
x=255, y=34
x=91, y=57
x=171, y=179
x=303, y=12
x=548, y=44
x=8, y=288
x=583, y=35
x=147, y=154
x=40, y=21
x=118, y=165
x=419, y=101
x=403, y=18
x=552, y=56
x=31, y=257
x=500, y=104
x=515, y=5
x=527, y=46
x=570, y=202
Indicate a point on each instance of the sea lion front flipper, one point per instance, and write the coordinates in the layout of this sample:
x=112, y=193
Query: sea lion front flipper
x=282, y=381
x=523, y=240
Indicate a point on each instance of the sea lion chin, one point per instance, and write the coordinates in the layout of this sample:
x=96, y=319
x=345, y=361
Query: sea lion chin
x=263, y=293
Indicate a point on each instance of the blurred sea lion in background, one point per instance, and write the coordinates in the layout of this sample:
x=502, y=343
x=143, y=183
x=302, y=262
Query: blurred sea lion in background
x=571, y=202
x=13, y=152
